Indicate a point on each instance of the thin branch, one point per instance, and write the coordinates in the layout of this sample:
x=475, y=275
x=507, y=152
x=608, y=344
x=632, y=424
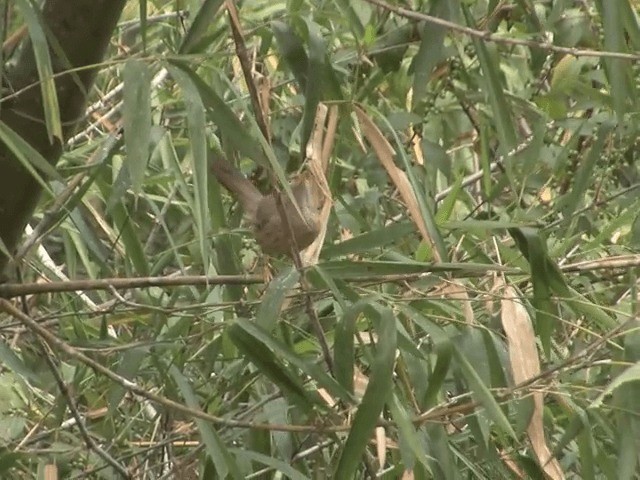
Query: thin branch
x=492, y=37
x=52, y=217
x=245, y=64
x=179, y=14
x=52, y=340
x=436, y=413
x=157, y=80
x=79, y=421
x=496, y=165
x=11, y=290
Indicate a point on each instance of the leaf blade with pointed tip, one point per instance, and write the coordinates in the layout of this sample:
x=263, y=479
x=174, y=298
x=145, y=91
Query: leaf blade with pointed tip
x=379, y=388
x=482, y=393
x=136, y=119
x=45, y=71
x=199, y=157
x=221, y=458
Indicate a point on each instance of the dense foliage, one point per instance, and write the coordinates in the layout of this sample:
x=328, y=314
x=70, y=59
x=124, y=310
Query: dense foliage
x=473, y=311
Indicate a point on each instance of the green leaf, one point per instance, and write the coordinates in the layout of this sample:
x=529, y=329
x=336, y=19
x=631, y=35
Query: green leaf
x=557, y=283
x=529, y=241
x=280, y=351
x=408, y=434
x=564, y=77
x=627, y=447
x=631, y=374
x=618, y=71
x=202, y=20
x=128, y=368
x=9, y=461
x=45, y=71
x=391, y=45
x=292, y=51
x=446, y=207
x=375, y=397
x=221, y=458
x=136, y=119
x=583, y=179
x=376, y=238
x=276, y=293
x=127, y=233
x=343, y=348
x=631, y=26
x=494, y=91
x=354, y=21
x=314, y=90
x=588, y=456
x=14, y=363
x=28, y=157
x=444, y=352
x=255, y=350
x=444, y=457
x=577, y=422
x=143, y=23
x=482, y=393
x=282, y=467
x=199, y=157
x=233, y=130
x=430, y=51
x=319, y=276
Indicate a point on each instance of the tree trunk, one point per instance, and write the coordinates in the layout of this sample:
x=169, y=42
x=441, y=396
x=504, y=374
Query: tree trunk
x=81, y=29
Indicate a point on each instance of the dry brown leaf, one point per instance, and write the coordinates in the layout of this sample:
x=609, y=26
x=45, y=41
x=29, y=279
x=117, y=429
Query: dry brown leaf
x=314, y=145
x=512, y=464
x=385, y=152
x=418, y=152
x=458, y=291
x=330, y=136
x=326, y=396
x=345, y=234
x=525, y=364
x=318, y=150
x=492, y=297
x=263, y=85
x=96, y=413
x=381, y=446
x=545, y=195
x=408, y=475
x=360, y=382
x=51, y=472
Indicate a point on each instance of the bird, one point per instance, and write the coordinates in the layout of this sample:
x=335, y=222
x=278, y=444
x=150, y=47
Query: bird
x=263, y=214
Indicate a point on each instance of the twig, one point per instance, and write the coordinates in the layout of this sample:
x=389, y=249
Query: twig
x=241, y=52
x=10, y=290
x=181, y=14
x=496, y=165
x=155, y=83
x=52, y=216
x=492, y=37
x=436, y=413
x=79, y=421
x=52, y=340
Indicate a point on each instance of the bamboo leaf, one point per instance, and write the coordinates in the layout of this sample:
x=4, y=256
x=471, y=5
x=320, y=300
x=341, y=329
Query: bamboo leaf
x=375, y=397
